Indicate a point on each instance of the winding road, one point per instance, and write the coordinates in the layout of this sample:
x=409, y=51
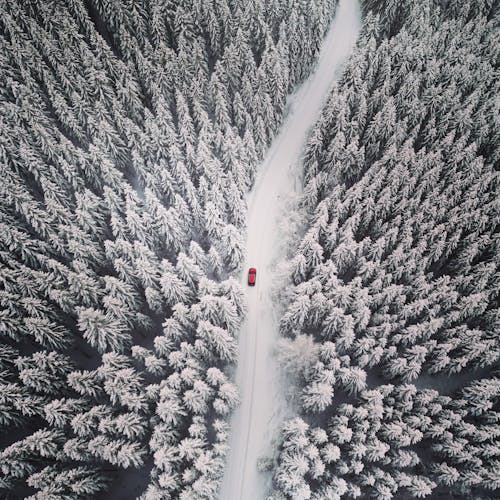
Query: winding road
x=263, y=406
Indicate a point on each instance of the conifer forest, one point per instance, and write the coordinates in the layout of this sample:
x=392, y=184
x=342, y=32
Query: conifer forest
x=133, y=134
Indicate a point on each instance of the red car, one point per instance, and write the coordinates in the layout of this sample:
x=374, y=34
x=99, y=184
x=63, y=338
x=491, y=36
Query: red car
x=252, y=276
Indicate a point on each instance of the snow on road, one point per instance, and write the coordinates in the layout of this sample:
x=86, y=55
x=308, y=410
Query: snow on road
x=263, y=405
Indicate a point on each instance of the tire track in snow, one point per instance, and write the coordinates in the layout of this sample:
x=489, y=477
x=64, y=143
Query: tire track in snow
x=263, y=404
x=245, y=456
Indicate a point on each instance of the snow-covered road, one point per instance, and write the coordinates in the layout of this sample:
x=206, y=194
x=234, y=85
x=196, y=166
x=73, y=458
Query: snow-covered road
x=263, y=406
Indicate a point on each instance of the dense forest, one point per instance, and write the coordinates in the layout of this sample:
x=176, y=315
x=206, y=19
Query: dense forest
x=391, y=318
x=131, y=131
x=130, y=134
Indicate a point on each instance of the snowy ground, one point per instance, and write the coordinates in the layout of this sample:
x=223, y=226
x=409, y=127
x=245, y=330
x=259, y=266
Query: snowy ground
x=263, y=405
